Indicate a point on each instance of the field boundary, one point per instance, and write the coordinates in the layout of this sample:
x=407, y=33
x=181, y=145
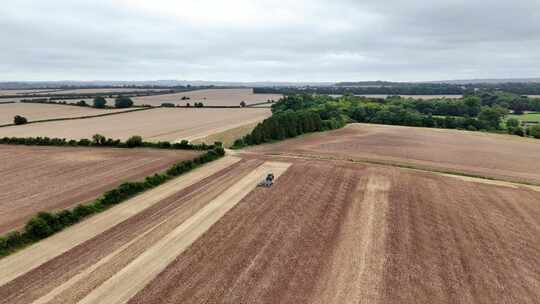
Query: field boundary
x=401, y=165
x=78, y=117
x=45, y=224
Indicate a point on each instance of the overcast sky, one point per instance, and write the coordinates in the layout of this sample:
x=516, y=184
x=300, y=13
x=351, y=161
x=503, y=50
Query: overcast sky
x=250, y=40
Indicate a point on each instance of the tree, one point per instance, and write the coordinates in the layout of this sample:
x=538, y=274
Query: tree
x=492, y=116
x=123, y=102
x=243, y=104
x=19, y=120
x=512, y=123
x=134, y=141
x=99, y=139
x=534, y=131
x=99, y=102
x=81, y=103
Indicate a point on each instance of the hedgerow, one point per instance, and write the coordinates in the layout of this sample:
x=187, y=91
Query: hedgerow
x=45, y=224
x=102, y=141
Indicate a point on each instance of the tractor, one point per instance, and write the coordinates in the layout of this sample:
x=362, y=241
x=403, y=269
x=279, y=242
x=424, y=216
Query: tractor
x=268, y=181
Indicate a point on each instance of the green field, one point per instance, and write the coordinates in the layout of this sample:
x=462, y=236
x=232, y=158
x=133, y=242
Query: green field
x=534, y=116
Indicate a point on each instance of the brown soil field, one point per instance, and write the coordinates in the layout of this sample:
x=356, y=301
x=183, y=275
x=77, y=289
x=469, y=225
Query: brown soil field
x=212, y=97
x=170, y=224
x=152, y=125
x=326, y=232
x=490, y=155
x=34, y=111
x=341, y=233
x=50, y=178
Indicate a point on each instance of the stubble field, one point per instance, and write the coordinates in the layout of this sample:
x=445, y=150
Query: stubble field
x=34, y=111
x=211, y=97
x=153, y=125
x=50, y=178
x=490, y=155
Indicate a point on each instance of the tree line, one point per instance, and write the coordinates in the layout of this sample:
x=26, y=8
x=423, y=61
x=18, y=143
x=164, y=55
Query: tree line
x=288, y=122
x=475, y=113
x=404, y=88
x=99, y=140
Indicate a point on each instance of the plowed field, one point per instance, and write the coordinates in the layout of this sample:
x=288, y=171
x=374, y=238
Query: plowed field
x=329, y=233
x=491, y=155
x=49, y=178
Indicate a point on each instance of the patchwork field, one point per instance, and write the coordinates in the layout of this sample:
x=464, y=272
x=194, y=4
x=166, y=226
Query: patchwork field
x=34, y=111
x=490, y=155
x=152, y=125
x=326, y=232
x=21, y=92
x=213, y=97
x=106, y=90
x=49, y=178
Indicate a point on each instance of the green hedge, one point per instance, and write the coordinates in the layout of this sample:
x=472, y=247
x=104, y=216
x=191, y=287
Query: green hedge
x=45, y=224
x=101, y=141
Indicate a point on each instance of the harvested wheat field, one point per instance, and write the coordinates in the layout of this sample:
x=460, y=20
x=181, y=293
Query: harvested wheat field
x=106, y=90
x=326, y=232
x=491, y=155
x=50, y=178
x=35, y=111
x=153, y=125
x=23, y=92
x=212, y=97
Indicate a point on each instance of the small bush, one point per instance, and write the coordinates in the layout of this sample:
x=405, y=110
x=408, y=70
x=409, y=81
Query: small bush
x=37, y=228
x=100, y=102
x=19, y=120
x=123, y=102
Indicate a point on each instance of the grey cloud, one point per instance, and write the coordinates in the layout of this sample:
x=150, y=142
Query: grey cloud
x=292, y=41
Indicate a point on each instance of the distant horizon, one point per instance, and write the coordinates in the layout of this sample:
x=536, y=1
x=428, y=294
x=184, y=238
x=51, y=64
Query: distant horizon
x=232, y=82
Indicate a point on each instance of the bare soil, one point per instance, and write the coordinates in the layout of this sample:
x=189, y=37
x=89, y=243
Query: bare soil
x=491, y=155
x=326, y=232
x=50, y=178
x=336, y=233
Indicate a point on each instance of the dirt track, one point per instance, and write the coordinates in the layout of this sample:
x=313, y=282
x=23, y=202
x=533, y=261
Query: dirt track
x=51, y=178
x=498, y=156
